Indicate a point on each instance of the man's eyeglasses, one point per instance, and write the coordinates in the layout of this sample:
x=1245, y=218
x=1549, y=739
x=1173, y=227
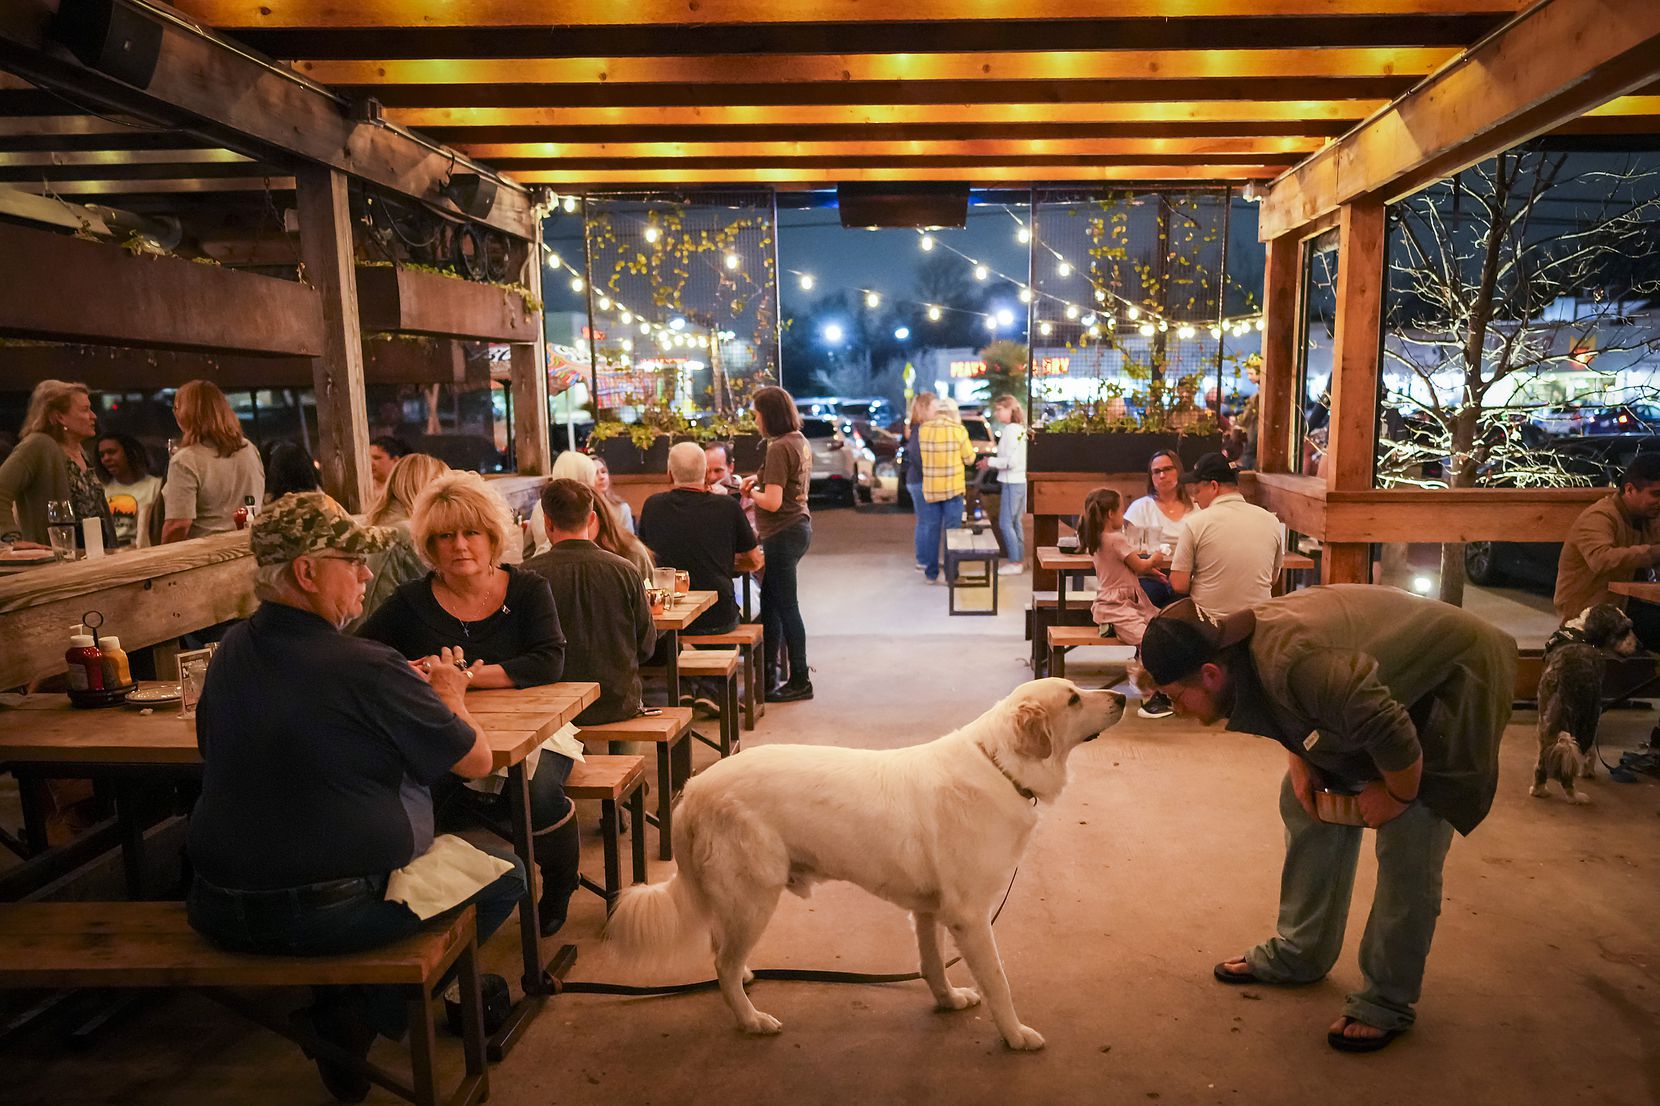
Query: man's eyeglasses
x=355, y=562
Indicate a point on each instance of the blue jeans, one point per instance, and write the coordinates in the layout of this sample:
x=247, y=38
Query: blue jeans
x=1315, y=888
x=916, y=508
x=931, y=520
x=1011, y=522
x=284, y=923
x=781, y=623
x=1159, y=591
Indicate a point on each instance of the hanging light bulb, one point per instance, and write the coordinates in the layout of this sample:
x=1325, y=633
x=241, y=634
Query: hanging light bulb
x=1112, y=323
x=1072, y=311
x=1089, y=319
x=991, y=322
x=806, y=282
x=1184, y=331
x=1216, y=332
x=652, y=234
x=570, y=204
x=933, y=314
x=677, y=323
x=628, y=343
x=1163, y=326
x=1100, y=296
x=1025, y=295
x=1045, y=329
x=731, y=261
x=1260, y=324
x=626, y=318
x=1023, y=235
x=927, y=242
x=577, y=284
x=553, y=260
x=1094, y=332
x=872, y=300
x=645, y=327
x=603, y=303
x=1134, y=313
x=981, y=272
x=1145, y=330
x=1064, y=268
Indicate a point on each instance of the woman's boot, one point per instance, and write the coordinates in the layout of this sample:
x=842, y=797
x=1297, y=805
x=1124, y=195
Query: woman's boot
x=558, y=855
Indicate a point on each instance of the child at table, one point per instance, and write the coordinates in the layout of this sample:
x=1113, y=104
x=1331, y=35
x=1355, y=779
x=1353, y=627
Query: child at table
x=1120, y=603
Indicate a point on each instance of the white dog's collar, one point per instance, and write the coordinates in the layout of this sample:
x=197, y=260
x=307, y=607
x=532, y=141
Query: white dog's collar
x=1021, y=789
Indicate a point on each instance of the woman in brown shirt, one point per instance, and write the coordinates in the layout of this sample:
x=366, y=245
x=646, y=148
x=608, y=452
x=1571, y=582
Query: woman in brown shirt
x=786, y=530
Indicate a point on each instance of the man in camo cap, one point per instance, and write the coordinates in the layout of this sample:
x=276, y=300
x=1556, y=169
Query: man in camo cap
x=320, y=751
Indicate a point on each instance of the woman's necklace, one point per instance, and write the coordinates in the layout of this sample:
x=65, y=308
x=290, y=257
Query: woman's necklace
x=1174, y=509
x=467, y=605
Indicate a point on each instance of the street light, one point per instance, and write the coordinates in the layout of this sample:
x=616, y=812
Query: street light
x=901, y=333
x=832, y=333
x=1005, y=317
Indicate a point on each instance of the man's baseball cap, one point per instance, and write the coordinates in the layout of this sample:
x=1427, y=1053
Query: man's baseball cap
x=311, y=522
x=1211, y=466
x=1181, y=639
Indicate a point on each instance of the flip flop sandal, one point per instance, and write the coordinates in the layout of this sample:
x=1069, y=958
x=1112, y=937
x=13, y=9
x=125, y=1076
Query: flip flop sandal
x=1344, y=1043
x=1225, y=975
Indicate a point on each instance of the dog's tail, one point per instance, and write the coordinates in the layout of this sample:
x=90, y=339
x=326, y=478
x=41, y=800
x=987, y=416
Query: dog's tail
x=1562, y=758
x=660, y=925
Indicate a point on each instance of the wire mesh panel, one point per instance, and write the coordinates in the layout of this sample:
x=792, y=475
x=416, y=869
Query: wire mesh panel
x=1135, y=288
x=683, y=297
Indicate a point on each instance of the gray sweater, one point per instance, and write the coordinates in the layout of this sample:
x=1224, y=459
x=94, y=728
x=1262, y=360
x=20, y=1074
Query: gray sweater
x=34, y=474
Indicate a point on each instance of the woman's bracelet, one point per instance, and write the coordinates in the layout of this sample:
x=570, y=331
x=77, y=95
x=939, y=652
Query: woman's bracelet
x=1397, y=798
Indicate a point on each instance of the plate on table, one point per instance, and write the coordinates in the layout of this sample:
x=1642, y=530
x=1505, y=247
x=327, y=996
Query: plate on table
x=26, y=556
x=152, y=695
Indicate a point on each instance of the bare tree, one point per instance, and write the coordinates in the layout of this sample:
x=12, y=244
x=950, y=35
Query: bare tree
x=1522, y=266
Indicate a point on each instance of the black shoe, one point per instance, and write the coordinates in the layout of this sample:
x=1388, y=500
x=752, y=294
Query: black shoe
x=340, y=1024
x=498, y=1004
x=791, y=692
x=1156, y=705
x=558, y=856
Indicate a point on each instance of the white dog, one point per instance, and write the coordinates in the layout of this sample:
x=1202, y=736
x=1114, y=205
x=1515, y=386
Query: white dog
x=936, y=829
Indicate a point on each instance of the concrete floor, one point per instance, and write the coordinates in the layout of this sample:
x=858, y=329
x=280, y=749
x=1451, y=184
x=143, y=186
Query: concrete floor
x=1162, y=858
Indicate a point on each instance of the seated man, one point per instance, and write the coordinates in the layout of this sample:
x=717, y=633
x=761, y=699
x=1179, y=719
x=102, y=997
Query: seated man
x=1229, y=554
x=601, y=602
x=320, y=750
x=1612, y=540
x=705, y=535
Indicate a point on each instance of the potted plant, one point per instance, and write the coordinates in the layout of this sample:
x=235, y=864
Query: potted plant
x=1115, y=433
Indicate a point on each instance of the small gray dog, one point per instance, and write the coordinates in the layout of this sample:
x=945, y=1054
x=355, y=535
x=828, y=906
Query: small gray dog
x=1570, y=696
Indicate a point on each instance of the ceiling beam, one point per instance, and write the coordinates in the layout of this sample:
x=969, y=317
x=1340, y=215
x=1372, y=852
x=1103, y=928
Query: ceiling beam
x=476, y=139
x=204, y=85
x=1049, y=65
x=158, y=187
x=609, y=13
x=1552, y=64
x=877, y=148
x=785, y=176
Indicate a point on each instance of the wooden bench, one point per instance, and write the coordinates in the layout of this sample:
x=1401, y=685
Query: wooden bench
x=723, y=665
x=668, y=731
x=1062, y=638
x=749, y=640
x=964, y=547
x=611, y=781
x=150, y=944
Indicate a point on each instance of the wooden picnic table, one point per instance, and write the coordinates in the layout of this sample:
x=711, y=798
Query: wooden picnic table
x=45, y=736
x=671, y=623
x=1649, y=593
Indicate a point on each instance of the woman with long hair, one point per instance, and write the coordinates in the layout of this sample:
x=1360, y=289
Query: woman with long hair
x=786, y=531
x=1010, y=464
x=216, y=469
x=130, y=489
x=399, y=563
x=922, y=409
x=289, y=468
x=1161, y=514
x=50, y=465
x=602, y=485
x=614, y=536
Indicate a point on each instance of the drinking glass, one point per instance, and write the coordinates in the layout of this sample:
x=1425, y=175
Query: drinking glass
x=193, y=667
x=663, y=579
x=60, y=528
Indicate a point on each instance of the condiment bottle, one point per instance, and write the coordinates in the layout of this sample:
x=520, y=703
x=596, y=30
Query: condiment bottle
x=117, y=670
x=240, y=516
x=86, y=670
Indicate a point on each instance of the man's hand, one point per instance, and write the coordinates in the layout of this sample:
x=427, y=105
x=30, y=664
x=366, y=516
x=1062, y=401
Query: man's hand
x=447, y=674
x=1376, y=807
x=1302, y=784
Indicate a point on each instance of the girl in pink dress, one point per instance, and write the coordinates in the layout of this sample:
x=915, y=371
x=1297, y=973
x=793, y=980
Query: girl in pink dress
x=1119, y=602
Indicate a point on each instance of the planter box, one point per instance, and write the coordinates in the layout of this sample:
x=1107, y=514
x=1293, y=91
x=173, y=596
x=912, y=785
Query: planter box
x=1117, y=452
x=409, y=301
x=622, y=456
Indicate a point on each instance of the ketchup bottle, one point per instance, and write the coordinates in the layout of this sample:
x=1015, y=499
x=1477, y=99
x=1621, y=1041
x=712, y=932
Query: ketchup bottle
x=86, y=669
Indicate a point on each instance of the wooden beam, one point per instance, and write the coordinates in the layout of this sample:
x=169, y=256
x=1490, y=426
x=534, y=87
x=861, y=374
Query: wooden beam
x=1277, y=389
x=342, y=416
x=151, y=186
x=206, y=86
x=784, y=176
x=1049, y=65
x=1441, y=515
x=1552, y=64
x=606, y=13
x=1351, y=447
x=113, y=369
x=875, y=146
x=62, y=288
x=865, y=115
x=408, y=301
x=529, y=382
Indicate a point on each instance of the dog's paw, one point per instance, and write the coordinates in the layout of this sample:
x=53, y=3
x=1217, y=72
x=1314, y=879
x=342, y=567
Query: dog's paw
x=1580, y=797
x=959, y=998
x=1538, y=791
x=1025, y=1039
x=762, y=1025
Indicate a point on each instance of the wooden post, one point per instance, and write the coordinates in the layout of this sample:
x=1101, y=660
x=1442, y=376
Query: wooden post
x=326, y=251
x=528, y=367
x=1353, y=429
x=1277, y=389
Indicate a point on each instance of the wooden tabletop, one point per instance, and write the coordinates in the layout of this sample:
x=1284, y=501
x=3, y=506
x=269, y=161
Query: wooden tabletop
x=1296, y=562
x=684, y=611
x=47, y=730
x=1648, y=592
x=1051, y=557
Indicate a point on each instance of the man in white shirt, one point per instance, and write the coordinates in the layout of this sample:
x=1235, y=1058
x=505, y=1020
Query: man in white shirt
x=1230, y=551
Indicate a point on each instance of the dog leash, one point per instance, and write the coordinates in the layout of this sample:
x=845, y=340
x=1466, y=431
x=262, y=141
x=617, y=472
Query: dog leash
x=780, y=975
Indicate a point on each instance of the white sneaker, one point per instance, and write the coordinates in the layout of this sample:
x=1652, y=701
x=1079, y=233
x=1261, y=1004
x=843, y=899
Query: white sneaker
x=1011, y=568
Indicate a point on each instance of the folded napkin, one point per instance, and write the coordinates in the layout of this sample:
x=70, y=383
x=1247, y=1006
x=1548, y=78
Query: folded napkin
x=446, y=875
x=562, y=741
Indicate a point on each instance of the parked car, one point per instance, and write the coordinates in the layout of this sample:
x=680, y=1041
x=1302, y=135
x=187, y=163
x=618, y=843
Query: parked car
x=864, y=413
x=842, y=469
x=1627, y=418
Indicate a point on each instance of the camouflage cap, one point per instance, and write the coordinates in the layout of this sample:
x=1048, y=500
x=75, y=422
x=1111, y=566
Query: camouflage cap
x=310, y=522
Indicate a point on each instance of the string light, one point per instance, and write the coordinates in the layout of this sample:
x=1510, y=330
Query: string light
x=1163, y=326
x=1134, y=313
x=570, y=204
x=645, y=327
x=1100, y=296
x=991, y=322
x=652, y=234
x=927, y=242
x=731, y=261
x=626, y=318
x=1064, y=268
x=981, y=272
x=1184, y=331
x=1072, y=311
x=1023, y=236
x=1260, y=324
x=1216, y=332
x=872, y=300
x=677, y=323
x=1112, y=323
x=1089, y=319
x=1045, y=329
x=577, y=285
x=1145, y=330
x=554, y=262
x=806, y=282
x=933, y=314
x=628, y=344
x=1025, y=295
x=603, y=303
